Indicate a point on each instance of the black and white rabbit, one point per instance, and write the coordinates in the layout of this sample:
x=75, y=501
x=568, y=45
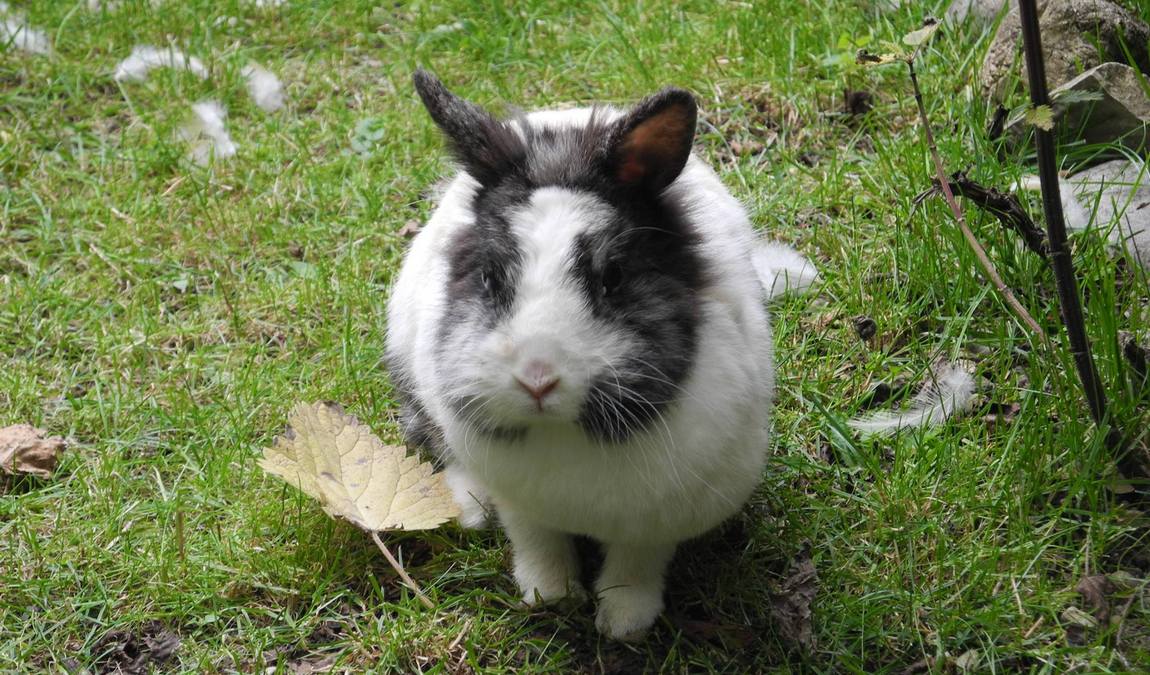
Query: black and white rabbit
x=579, y=330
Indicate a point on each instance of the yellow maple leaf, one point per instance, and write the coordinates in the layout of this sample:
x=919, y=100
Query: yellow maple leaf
x=331, y=456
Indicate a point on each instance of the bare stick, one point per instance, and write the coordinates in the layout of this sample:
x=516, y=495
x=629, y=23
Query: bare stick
x=944, y=184
x=407, y=580
x=1001, y=205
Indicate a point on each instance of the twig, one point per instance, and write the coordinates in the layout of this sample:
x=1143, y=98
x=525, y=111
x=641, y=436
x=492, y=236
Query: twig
x=944, y=184
x=1001, y=205
x=407, y=580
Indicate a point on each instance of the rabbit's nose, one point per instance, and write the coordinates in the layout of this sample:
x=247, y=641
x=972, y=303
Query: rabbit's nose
x=538, y=378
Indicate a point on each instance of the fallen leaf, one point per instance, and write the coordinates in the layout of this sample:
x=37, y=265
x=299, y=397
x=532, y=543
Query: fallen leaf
x=135, y=653
x=857, y=102
x=317, y=663
x=791, y=605
x=331, y=456
x=865, y=58
x=1095, y=591
x=969, y=661
x=865, y=327
x=410, y=228
x=1076, y=623
x=920, y=36
x=26, y=449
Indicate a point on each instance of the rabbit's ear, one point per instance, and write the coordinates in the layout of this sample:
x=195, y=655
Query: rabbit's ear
x=649, y=146
x=486, y=147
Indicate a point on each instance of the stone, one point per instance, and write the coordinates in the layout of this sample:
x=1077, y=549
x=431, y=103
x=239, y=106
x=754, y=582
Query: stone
x=1114, y=199
x=1121, y=113
x=983, y=11
x=1076, y=35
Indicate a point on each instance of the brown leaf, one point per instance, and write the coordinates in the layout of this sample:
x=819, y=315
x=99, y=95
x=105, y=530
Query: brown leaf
x=410, y=228
x=791, y=605
x=26, y=449
x=857, y=102
x=127, y=652
x=1095, y=591
x=315, y=663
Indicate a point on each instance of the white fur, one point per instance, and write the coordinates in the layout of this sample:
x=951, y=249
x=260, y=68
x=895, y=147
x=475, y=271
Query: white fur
x=145, y=58
x=264, y=87
x=782, y=269
x=690, y=471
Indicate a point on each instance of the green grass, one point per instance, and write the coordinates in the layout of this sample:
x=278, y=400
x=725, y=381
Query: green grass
x=164, y=318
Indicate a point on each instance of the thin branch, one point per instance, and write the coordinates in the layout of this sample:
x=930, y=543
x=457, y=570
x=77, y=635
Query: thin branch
x=1002, y=205
x=407, y=580
x=944, y=184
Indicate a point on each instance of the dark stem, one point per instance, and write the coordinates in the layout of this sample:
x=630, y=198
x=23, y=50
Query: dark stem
x=1068, y=299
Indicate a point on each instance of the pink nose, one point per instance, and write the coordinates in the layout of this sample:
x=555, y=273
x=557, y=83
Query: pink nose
x=538, y=379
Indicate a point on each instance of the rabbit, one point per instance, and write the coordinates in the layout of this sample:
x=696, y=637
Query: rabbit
x=580, y=332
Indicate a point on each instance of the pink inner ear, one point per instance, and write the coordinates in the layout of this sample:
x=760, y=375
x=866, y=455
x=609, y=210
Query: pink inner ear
x=651, y=146
x=631, y=171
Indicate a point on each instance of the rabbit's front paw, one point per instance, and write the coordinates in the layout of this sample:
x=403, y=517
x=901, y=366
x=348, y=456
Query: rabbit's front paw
x=627, y=612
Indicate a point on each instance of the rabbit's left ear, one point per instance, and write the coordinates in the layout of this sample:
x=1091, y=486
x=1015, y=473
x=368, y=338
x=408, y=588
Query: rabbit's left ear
x=650, y=145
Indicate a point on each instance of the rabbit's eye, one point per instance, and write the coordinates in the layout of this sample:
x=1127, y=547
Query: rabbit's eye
x=611, y=278
x=490, y=281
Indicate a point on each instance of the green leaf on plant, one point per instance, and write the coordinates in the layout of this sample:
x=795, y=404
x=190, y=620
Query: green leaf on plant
x=922, y=35
x=1041, y=117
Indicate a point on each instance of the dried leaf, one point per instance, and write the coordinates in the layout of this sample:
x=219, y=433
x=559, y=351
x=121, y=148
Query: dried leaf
x=410, y=228
x=865, y=58
x=332, y=457
x=920, y=36
x=1095, y=591
x=26, y=449
x=791, y=605
x=969, y=662
x=1041, y=116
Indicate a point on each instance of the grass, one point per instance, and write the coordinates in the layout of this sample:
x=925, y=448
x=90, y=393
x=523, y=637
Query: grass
x=164, y=318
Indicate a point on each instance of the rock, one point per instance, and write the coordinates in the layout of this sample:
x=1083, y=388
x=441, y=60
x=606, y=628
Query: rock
x=1120, y=114
x=1113, y=198
x=1076, y=35
x=984, y=11
x=1123, y=113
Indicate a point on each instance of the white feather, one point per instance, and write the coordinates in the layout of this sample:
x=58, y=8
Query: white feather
x=145, y=58
x=15, y=32
x=1112, y=198
x=949, y=390
x=782, y=269
x=264, y=87
x=207, y=133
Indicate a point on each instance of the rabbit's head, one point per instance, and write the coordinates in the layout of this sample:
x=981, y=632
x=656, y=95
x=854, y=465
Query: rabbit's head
x=573, y=295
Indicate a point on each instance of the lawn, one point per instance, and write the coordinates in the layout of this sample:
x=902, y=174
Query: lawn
x=164, y=317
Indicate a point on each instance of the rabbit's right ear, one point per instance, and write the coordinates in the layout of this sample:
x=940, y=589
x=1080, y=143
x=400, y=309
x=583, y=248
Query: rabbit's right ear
x=487, y=148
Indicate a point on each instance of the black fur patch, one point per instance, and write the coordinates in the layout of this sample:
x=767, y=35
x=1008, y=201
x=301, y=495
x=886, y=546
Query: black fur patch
x=642, y=275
